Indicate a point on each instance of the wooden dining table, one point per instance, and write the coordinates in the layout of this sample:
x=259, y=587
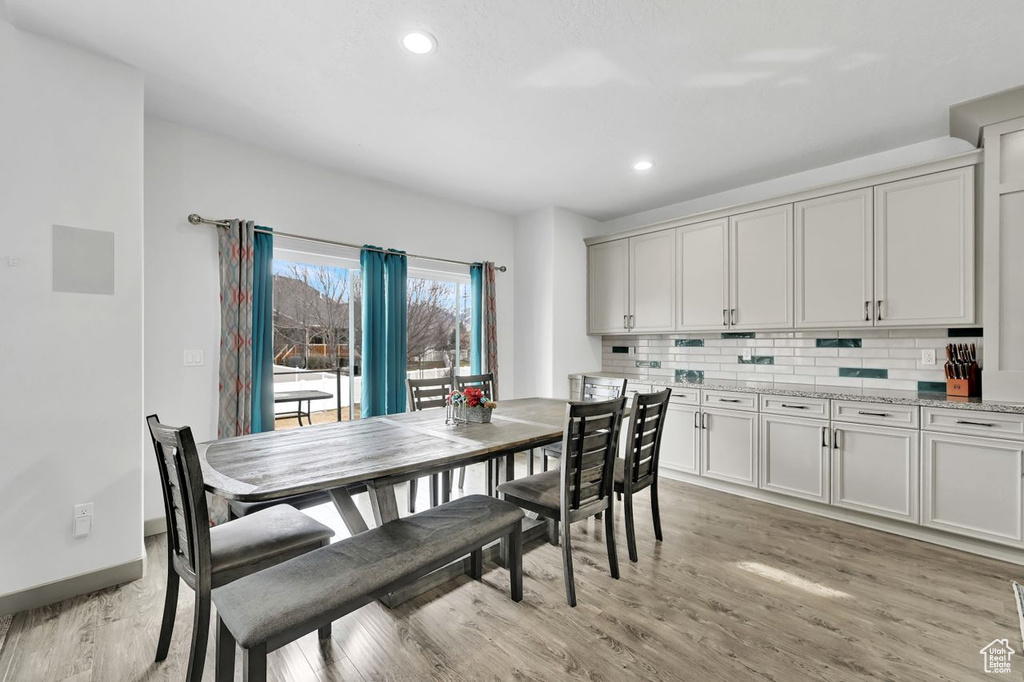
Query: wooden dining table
x=375, y=454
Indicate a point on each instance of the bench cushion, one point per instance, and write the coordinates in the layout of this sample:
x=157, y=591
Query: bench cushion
x=301, y=592
x=261, y=539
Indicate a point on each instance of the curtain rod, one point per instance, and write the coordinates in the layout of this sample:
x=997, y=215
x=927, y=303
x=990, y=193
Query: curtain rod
x=197, y=219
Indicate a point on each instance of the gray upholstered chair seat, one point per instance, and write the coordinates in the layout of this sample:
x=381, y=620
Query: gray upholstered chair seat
x=284, y=597
x=540, y=489
x=261, y=539
x=304, y=501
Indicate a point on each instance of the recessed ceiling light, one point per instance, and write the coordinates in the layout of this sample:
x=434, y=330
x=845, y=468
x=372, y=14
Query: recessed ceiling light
x=643, y=165
x=419, y=42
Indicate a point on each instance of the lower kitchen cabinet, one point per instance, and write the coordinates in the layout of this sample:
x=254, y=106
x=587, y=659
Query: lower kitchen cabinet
x=875, y=470
x=972, y=486
x=794, y=457
x=680, y=441
x=729, y=446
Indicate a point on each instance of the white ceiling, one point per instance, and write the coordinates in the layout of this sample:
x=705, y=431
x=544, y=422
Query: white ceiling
x=533, y=104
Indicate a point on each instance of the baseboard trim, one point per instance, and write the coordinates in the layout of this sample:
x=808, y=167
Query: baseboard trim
x=66, y=588
x=154, y=526
x=908, y=530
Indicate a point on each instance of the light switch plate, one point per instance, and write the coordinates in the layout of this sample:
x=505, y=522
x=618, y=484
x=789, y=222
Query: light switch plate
x=928, y=356
x=194, y=357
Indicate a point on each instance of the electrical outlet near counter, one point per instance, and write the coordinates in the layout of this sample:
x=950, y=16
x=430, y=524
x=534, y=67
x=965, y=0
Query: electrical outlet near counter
x=928, y=356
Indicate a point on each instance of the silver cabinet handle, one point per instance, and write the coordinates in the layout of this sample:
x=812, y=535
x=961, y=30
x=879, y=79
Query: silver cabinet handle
x=729, y=400
x=878, y=309
x=696, y=419
x=873, y=414
x=867, y=313
x=725, y=317
x=835, y=439
x=824, y=436
x=794, y=407
x=970, y=423
x=624, y=324
x=632, y=322
x=732, y=316
x=703, y=420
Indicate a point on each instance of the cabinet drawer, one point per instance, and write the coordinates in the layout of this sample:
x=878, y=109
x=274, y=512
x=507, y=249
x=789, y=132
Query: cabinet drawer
x=813, y=408
x=975, y=423
x=730, y=400
x=685, y=396
x=880, y=414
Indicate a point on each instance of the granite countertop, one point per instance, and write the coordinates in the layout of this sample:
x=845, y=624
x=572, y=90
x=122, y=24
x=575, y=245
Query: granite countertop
x=831, y=392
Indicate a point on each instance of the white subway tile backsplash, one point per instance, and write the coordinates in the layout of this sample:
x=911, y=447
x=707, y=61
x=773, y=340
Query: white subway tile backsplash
x=878, y=358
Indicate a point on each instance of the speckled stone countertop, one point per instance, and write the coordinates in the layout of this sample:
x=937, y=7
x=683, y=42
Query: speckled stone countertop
x=832, y=392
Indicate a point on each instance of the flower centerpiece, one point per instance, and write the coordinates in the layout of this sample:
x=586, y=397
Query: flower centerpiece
x=471, y=404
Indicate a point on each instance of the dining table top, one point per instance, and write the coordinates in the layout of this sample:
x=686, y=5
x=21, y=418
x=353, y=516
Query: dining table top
x=276, y=464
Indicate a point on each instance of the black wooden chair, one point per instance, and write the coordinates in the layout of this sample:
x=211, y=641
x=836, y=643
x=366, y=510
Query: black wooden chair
x=591, y=389
x=486, y=382
x=582, y=487
x=428, y=394
x=207, y=558
x=639, y=469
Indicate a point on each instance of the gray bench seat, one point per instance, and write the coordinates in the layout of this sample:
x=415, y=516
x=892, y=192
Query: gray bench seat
x=266, y=610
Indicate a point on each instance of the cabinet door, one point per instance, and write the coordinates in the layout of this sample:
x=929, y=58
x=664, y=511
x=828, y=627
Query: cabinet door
x=608, y=287
x=680, y=443
x=924, y=250
x=703, y=265
x=794, y=457
x=875, y=470
x=834, y=261
x=761, y=269
x=972, y=486
x=729, y=446
x=652, y=282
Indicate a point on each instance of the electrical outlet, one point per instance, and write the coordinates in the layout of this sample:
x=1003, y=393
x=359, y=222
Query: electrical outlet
x=83, y=509
x=13, y=261
x=194, y=357
x=928, y=356
x=81, y=524
x=748, y=354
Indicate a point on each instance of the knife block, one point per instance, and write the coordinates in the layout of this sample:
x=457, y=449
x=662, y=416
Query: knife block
x=965, y=388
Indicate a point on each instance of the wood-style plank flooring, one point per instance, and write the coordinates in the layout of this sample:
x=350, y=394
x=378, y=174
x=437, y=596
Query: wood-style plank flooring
x=739, y=590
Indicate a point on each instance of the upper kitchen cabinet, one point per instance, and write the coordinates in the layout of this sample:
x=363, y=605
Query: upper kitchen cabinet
x=834, y=261
x=703, y=283
x=608, y=288
x=631, y=284
x=761, y=269
x=652, y=276
x=924, y=250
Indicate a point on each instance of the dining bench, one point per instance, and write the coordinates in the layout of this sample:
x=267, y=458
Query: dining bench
x=269, y=609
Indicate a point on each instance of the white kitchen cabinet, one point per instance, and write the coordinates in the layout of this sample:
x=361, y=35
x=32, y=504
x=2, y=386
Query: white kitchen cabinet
x=680, y=441
x=703, y=276
x=761, y=269
x=608, y=287
x=729, y=446
x=794, y=457
x=924, y=250
x=834, y=261
x=875, y=470
x=972, y=486
x=652, y=278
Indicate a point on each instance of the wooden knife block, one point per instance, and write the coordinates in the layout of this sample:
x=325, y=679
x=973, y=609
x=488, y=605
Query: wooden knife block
x=965, y=388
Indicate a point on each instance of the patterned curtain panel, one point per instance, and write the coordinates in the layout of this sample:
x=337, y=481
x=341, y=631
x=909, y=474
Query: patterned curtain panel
x=483, y=355
x=234, y=411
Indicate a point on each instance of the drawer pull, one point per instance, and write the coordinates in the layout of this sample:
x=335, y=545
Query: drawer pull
x=696, y=420
x=795, y=407
x=970, y=423
x=729, y=400
x=873, y=414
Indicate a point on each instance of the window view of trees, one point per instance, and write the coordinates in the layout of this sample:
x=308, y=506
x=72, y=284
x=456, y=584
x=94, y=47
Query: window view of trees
x=311, y=315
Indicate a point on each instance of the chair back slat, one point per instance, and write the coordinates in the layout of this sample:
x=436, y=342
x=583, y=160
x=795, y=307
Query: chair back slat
x=601, y=388
x=484, y=381
x=643, y=441
x=588, y=446
x=181, y=479
x=425, y=394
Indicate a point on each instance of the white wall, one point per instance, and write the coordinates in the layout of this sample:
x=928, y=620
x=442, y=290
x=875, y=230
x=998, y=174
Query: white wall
x=190, y=171
x=921, y=152
x=551, y=318
x=70, y=154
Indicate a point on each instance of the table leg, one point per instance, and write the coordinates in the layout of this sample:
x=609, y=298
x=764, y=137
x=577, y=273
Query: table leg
x=298, y=412
x=446, y=486
x=384, y=503
x=354, y=521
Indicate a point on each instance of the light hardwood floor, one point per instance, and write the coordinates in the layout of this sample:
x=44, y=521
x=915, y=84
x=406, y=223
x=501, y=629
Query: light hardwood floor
x=739, y=590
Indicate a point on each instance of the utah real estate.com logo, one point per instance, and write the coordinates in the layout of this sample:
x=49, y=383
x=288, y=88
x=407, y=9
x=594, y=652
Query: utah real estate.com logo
x=997, y=656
